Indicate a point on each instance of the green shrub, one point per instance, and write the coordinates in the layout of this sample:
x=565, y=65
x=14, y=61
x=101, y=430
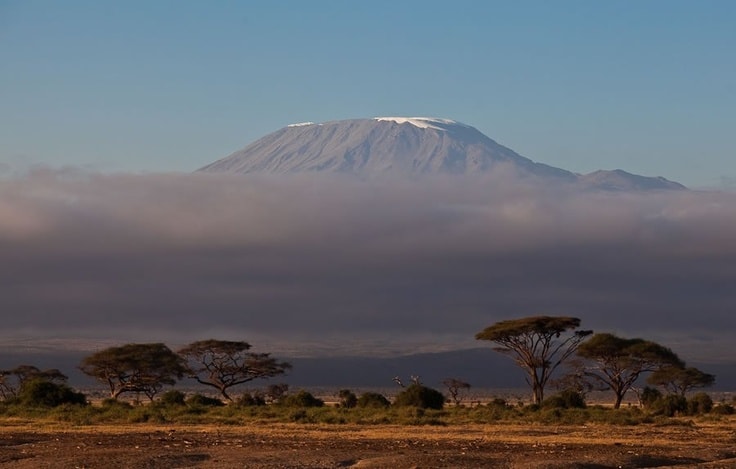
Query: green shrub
x=372, y=400
x=301, y=399
x=670, y=405
x=250, y=400
x=42, y=393
x=700, y=403
x=649, y=397
x=420, y=396
x=299, y=415
x=493, y=411
x=173, y=398
x=275, y=392
x=567, y=399
x=348, y=399
x=146, y=413
x=112, y=410
x=198, y=400
x=498, y=402
x=723, y=409
x=114, y=403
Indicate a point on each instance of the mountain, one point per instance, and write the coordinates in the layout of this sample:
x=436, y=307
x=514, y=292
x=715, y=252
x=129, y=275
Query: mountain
x=405, y=146
x=619, y=180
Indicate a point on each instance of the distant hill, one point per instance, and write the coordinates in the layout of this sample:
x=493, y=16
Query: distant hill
x=408, y=146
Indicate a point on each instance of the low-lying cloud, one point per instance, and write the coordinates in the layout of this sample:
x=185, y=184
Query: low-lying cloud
x=325, y=264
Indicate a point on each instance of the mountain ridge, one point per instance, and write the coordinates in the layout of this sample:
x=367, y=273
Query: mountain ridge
x=405, y=146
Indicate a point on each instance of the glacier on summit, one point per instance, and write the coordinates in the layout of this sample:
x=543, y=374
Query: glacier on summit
x=421, y=122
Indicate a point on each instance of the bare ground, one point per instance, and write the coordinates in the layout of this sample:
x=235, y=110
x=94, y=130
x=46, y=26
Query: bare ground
x=380, y=446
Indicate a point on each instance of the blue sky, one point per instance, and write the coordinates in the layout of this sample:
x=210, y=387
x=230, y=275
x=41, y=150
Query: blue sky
x=649, y=87
x=127, y=88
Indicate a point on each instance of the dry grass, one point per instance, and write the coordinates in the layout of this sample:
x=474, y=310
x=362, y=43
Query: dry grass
x=681, y=433
x=702, y=444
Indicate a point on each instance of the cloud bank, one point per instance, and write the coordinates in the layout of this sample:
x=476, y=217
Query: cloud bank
x=327, y=265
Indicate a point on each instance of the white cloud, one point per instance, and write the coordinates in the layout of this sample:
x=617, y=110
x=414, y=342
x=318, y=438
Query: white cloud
x=302, y=260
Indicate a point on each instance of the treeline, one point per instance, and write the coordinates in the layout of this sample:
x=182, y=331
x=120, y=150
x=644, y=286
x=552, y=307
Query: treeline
x=542, y=345
x=147, y=368
x=552, y=351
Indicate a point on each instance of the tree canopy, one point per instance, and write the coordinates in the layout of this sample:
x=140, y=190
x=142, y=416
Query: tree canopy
x=538, y=344
x=616, y=363
x=136, y=368
x=679, y=379
x=454, y=388
x=13, y=380
x=223, y=364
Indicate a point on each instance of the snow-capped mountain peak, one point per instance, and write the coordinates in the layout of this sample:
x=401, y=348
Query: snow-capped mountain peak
x=422, y=122
x=405, y=146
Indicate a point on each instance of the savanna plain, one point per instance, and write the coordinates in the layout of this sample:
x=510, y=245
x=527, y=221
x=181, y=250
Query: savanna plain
x=487, y=435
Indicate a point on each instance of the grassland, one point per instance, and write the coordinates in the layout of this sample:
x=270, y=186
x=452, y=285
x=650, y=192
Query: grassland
x=163, y=436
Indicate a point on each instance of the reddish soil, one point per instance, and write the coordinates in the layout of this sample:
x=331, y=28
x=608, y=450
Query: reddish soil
x=340, y=446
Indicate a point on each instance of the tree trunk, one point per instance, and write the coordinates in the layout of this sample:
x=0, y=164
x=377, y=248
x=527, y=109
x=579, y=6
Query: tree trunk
x=538, y=393
x=619, y=398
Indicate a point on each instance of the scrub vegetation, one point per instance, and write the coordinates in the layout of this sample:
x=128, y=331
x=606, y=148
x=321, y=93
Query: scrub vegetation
x=540, y=345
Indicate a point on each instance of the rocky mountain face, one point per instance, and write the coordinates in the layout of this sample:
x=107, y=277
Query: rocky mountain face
x=405, y=146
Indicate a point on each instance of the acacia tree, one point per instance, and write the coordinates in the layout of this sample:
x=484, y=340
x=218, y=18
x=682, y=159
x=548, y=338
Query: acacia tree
x=455, y=387
x=616, y=363
x=145, y=368
x=12, y=381
x=538, y=344
x=574, y=380
x=223, y=364
x=680, y=380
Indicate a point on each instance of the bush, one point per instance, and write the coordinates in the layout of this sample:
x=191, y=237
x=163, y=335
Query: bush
x=670, y=405
x=301, y=399
x=372, y=400
x=275, y=392
x=567, y=399
x=198, y=400
x=250, y=400
x=649, y=397
x=723, y=409
x=110, y=403
x=348, y=399
x=299, y=416
x=173, y=398
x=700, y=403
x=420, y=396
x=42, y=393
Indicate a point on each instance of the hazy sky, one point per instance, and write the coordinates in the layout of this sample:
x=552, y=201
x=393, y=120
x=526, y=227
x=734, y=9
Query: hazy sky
x=649, y=87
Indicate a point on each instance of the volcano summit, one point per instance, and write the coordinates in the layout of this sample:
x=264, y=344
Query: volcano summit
x=405, y=146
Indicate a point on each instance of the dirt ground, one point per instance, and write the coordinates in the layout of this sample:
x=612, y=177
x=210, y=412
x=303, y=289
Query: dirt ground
x=380, y=446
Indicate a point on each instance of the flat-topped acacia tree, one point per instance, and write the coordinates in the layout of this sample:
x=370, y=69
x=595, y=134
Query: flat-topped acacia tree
x=538, y=344
x=680, y=379
x=617, y=363
x=136, y=368
x=223, y=364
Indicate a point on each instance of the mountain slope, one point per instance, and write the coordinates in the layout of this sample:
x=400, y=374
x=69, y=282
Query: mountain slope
x=405, y=146
x=619, y=180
